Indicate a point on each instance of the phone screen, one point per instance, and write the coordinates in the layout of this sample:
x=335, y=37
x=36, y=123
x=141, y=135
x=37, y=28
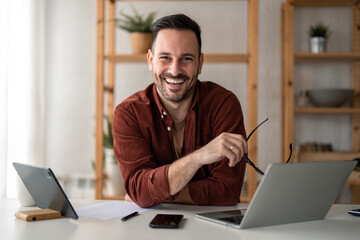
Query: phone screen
x=166, y=221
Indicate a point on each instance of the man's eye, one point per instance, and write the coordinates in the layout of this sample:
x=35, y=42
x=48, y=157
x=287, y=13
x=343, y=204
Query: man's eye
x=164, y=58
x=188, y=59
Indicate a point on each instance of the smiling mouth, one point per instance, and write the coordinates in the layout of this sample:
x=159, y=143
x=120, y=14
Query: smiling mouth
x=174, y=81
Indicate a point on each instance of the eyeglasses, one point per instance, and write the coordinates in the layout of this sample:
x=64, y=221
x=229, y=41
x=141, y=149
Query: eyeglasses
x=248, y=161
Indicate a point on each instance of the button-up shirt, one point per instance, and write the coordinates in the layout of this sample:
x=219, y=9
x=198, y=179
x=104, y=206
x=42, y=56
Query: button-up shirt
x=144, y=147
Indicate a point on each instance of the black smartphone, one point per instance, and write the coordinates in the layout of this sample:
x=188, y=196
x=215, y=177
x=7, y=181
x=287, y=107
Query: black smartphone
x=166, y=221
x=355, y=212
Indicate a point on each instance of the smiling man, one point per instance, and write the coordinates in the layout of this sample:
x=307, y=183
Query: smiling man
x=180, y=140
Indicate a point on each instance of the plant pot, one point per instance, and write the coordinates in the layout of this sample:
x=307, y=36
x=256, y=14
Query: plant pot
x=318, y=44
x=114, y=181
x=140, y=42
x=23, y=194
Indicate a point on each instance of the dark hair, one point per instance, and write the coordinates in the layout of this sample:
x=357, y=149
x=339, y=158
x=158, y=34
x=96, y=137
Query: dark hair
x=177, y=22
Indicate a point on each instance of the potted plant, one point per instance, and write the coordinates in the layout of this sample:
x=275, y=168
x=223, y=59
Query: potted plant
x=108, y=142
x=114, y=181
x=140, y=28
x=318, y=34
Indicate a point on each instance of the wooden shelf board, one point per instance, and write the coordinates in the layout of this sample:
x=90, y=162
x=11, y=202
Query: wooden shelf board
x=210, y=58
x=322, y=3
x=353, y=179
x=326, y=156
x=327, y=110
x=176, y=0
x=329, y=56
x=126, y=58
x=114, y=197
x=226, y=58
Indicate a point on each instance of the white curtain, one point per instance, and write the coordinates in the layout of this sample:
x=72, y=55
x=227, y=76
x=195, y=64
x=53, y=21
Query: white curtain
x=22, y=88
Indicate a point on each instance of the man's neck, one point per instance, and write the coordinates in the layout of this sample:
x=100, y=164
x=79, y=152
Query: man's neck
x=177, y=110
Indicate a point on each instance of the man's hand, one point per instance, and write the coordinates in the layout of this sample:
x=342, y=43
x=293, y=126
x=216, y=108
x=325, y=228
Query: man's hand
x=127, y=198
x=226, y=145
x=229, y=145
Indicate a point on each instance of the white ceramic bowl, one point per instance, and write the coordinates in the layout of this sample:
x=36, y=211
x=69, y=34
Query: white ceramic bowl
x=329, y=97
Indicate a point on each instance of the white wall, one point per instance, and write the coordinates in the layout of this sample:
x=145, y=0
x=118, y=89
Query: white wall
x=71, y=43
x=70, y=74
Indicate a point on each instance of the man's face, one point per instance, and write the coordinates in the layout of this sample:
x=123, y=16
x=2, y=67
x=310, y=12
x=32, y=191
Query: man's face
x=175, y=64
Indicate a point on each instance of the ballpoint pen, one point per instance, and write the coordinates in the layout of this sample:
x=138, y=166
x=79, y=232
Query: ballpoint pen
x=129, y=216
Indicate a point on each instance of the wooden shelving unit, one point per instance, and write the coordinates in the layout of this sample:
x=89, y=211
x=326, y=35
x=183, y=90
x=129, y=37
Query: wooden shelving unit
x=327, y=57
x=291, y=58
x=105, y=87
x=327, y=110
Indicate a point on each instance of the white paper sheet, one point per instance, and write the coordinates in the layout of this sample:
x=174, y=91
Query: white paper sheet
x=109, y=210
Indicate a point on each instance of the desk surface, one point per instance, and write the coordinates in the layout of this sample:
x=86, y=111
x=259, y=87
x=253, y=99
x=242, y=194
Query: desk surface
x=337, y=225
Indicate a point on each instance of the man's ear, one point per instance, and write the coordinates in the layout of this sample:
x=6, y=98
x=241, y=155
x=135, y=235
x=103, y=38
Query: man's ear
x=150, y=58
x=201, y=61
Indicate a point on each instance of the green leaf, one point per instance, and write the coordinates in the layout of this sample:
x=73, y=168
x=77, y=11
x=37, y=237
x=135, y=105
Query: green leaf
x=319, y=30
x=137, y=22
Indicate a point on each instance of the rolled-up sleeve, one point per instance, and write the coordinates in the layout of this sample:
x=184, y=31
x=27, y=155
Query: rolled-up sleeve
x=224, y=183
x=145, y=182
x=222, y=188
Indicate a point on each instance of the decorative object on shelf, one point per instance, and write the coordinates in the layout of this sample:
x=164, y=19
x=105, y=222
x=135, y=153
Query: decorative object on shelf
x=319, y=34
x=303, y=98
x=329, y=97
x=140, y=28
x=316, y=147
x=114, y=184
x=357, y=168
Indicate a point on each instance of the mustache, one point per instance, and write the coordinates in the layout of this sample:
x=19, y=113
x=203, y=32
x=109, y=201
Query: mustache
x=179, y=76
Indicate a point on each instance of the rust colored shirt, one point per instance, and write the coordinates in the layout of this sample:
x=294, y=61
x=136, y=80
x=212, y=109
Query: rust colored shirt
x=144, y=148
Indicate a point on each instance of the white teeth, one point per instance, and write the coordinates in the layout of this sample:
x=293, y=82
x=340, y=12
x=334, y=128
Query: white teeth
x=173, y=81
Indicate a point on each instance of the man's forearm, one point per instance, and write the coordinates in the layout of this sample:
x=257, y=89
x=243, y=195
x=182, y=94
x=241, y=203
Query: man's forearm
x=181, y=171
x=226, y=145
x=183, y=197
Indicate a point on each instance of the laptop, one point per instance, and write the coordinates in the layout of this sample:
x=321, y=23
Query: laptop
x=45, y=189
x=289, y=193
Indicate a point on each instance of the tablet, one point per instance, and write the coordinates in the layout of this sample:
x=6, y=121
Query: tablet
x=45, y=189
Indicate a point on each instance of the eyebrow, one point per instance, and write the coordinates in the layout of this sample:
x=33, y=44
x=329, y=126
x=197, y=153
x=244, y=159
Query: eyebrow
x=183, y=55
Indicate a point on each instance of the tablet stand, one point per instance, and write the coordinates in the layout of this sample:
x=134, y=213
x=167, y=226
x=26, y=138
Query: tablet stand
x=39, y=214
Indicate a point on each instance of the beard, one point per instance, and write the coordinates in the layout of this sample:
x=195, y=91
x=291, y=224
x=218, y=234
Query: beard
x=188, y=91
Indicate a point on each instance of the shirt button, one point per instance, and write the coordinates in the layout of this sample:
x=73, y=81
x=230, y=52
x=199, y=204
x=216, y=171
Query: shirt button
x=162, y=116
x=164, y=113
x=168, y=128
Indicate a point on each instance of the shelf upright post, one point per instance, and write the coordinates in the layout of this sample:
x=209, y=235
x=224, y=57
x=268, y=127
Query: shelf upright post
x=288, y=78
x=110, y=64
x=252, y=89
x=356, y=75
x=99, y=100
x=356, y=86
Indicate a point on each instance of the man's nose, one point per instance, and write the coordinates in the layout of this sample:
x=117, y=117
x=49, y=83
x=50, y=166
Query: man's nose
x=175, y=68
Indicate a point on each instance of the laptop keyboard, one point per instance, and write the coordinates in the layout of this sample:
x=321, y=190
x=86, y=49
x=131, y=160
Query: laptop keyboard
x=233, y=219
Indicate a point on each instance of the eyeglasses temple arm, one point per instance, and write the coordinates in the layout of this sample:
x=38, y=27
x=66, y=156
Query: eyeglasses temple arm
x=290, y=146
x=256, y=128
x=248, y=161
x=253, y=165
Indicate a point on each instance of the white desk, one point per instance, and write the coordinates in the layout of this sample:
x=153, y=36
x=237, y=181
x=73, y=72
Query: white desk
x=337, y=225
